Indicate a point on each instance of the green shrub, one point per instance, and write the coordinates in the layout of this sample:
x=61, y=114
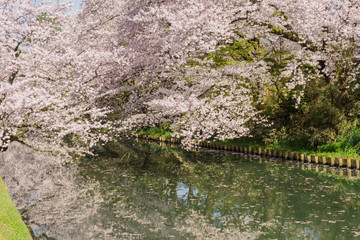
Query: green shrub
x=333, y=147
x=350, y=144
x=353, y=140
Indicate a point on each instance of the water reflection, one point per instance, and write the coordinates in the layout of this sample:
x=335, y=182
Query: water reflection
x=139, y=191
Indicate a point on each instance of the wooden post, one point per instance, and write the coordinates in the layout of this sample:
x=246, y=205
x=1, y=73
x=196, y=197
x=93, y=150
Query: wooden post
x=339, y=161
x=314, y=158
x=331, y=160
x=348, y=162
x=357, y=164
x=323, y=159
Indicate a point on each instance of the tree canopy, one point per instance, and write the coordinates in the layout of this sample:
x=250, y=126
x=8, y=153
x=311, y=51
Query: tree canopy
x=218, y=69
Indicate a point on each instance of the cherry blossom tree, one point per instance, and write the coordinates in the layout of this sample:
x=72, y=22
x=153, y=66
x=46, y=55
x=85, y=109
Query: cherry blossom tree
x=325, y=34
x=200, y=102
x=131, y=64
x=320, y=39
x=54, y=68
x=327, y=31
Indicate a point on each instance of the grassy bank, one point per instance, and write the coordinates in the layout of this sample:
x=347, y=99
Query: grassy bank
x=336, y=149
x=306, y=151
x=11, y=225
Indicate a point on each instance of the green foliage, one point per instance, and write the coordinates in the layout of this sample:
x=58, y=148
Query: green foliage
x=350, y=145
x=346, y=147
x=276, y=138
x=242, y=50
x=320, y=119
x=328, y=111
x=163, y=131
x=43, y=17
x=354, y=139
x=333, y=147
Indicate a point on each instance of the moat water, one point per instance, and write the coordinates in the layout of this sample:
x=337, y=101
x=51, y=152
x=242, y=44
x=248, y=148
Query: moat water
x=140, y=191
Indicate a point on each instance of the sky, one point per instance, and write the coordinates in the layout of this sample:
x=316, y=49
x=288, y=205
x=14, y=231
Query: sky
x=77, y=4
